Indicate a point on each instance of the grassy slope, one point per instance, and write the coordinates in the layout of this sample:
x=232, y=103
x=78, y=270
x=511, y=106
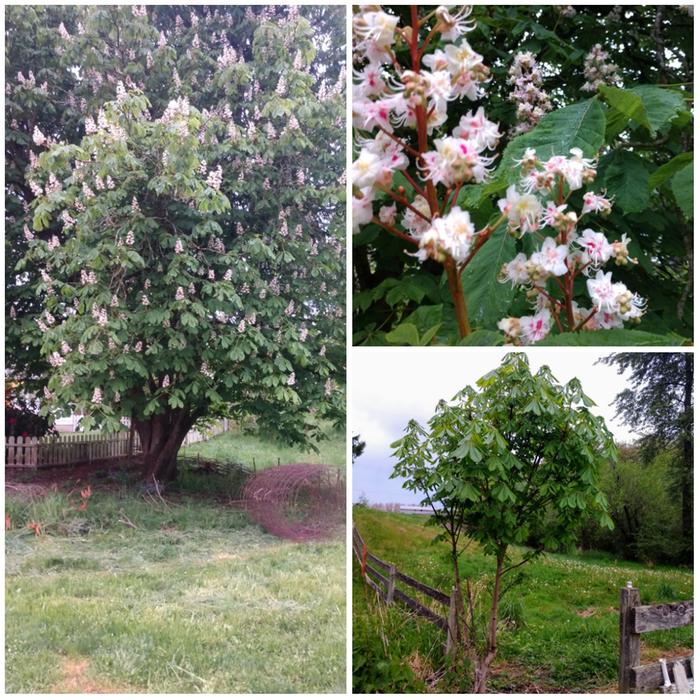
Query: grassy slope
x=567, y=639
x=248, y=448
x=193, y=599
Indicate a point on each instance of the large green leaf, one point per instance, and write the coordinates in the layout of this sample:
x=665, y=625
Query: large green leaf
x=627, y=180
x=616, y=336
x=405, y=334
x=627, y=104
x=580, y=125
x=668, y=170
x=682, y=186
x=649, y=106
x=661, y=104
x=488, y=299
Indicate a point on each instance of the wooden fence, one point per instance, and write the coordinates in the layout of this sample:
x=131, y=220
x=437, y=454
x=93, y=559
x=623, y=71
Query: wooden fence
x=69, y=448
x=635, y=619
x=384, y=577
x=195, y=436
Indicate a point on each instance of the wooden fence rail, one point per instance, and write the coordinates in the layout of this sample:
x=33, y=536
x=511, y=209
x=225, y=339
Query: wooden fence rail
x=635, y=619
x=68, y=448
x=73, y=448
x=383, y=578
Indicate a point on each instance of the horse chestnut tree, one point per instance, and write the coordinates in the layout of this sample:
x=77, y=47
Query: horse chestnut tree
x=188, y=258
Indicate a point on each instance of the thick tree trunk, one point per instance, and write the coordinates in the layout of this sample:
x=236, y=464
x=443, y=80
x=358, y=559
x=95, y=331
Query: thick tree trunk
x=161, y=437
x=483, y=666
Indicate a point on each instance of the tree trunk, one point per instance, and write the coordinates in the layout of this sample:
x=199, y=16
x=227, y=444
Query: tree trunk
x=483, y=666
x=161, y=437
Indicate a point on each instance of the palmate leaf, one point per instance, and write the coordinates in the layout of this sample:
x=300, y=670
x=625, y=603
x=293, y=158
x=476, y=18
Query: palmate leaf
x=488, y=299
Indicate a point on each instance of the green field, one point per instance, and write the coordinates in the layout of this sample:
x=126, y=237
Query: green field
x=560, y=632
x=187, y=595
x=255, y=451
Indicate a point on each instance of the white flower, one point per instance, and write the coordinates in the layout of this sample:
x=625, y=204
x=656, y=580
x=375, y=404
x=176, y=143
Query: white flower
x=552, y=257
x=596, y=246
x=291, y=380
x=179, y=294
x=453, y=234
x=523, y=210
x=97, y=396
x=453, y=26
x=38, y=138
x=596, y=203
x=602, y=292
x=516, y=271
x=179, y=248
x=535, y=328
x=362, y=208
x=475, y=127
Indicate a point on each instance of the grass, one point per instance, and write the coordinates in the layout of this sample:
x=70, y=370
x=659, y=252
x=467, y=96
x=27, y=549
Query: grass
x=562, y=629
x=253, y=450
x=137, y=595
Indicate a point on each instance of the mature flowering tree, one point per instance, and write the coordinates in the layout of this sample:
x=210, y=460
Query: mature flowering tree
x=64, y=62
x=490, y=463
x=455, y=212
x=190, y=258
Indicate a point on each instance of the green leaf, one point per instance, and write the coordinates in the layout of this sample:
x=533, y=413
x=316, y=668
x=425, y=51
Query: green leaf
x=682, y=186
x=580, y=125
x=668, y=170
x=627, y=179
x=627, y=103
x=430, y=334
x=616, y=336
x=483, y=337
x=468, y=493
x=404, y=334
x=487, y=298
x=650, y=106
x=661, y=105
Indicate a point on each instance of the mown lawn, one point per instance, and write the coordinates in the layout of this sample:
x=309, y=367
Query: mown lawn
x=259, y=451
x=561, y=628
x=187, y=595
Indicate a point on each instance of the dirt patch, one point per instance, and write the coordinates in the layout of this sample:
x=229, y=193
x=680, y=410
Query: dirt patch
x=77, y=680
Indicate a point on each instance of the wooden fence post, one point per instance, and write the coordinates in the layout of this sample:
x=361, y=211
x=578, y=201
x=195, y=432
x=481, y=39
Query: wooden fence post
x=391, y=586
x=629, y=640
x=364, y=560
x=452, y=623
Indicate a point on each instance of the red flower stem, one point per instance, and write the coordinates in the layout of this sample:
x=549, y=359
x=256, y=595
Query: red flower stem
x=454, y=282
x=587, y=319
x=409, y=149
x=394, y=231
x=406, y=203
x=554, y=300
x=419, y=190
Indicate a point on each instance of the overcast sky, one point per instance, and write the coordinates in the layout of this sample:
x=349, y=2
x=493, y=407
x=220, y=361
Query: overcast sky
x=389, y=387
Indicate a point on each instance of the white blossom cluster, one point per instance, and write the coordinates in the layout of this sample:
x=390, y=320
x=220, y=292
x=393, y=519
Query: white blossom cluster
x=385, y=98
x=532, y=102
x=598, y=71
x=540, y=202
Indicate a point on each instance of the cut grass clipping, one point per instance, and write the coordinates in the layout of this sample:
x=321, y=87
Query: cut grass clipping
x=559, y=627
x=178, y=597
